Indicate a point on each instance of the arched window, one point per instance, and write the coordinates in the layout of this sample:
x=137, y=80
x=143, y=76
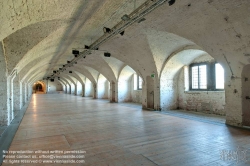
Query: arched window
x=137, y=82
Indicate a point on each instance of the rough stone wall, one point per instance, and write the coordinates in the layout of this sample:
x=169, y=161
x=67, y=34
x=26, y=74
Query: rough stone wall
x=88, y=89
x=3, y=89
x=54, y=86
x=124, y=90
x=79, y=88
x=103, y=90
x=168, y=94
x=136, y=96
x=72, y=88
x=201, y=101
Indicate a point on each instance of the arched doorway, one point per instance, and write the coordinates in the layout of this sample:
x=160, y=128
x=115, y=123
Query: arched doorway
x=246, y=95
x=39, y=87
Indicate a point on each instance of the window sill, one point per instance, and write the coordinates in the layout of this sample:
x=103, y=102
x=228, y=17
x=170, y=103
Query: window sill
x=198, y=92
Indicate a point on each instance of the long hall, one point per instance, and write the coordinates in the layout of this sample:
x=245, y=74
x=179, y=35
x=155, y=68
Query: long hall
x=124, y=134
x=125, y=82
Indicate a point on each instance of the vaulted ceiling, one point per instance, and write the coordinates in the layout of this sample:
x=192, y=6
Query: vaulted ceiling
x=38, y=36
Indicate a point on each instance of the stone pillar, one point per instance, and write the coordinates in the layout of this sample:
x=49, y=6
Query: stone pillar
x=16, y=95
x=26, y=92
x=21, y=95
x=11, y=98
x=144, y=95
x=233, y=93
x=75, y=89
x=94, y=91
x=83, y=90
x=4, y=95
x=157, y=105
x=116, y=91
x=69, y=89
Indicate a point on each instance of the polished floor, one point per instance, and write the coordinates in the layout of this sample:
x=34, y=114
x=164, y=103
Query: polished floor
x=125, y=135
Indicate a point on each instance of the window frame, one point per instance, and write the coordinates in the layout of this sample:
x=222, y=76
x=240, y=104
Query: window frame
x=211, y=76
x=138, y=83
x=190, y=76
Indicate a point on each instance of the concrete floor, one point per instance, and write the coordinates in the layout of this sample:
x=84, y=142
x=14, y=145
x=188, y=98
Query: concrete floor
x=123, y=134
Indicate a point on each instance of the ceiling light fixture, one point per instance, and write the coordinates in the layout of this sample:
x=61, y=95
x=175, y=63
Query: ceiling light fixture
x=106, y=30
x=122, y=33
x=75, y=52
x=171, y=2
x=107, y=54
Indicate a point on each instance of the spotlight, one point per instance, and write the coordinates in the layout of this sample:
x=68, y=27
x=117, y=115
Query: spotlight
x=86, y=47
x=68, y=61
x=54, y=71
x=70, y=71
x=122, y=33
x=171, y=2
x=106, y=54
x=75, y=52
x=125, y=17
x=143, y=19
x=106, y=30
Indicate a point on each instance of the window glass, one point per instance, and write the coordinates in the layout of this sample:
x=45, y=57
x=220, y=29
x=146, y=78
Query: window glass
x=203, y=76
x=135, y=81
x=139, y=82
x=195, y=78
x=219, y=76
